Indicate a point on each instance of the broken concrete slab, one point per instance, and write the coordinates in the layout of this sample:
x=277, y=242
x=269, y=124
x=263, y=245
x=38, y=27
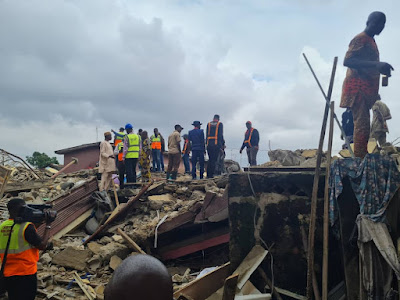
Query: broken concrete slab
x=111, y=249
x=72, y=258
x=115, y=261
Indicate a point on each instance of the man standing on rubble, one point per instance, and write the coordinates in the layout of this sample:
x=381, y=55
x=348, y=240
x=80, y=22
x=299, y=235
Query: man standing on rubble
x=251, y=140
x=155, y=140
x=185, y=153
x=23, y=253
x=106, y=162
x=174, y=152
x=361, y=85
x=196, y=137
x=215, y=142
x=132, y=148
x=379, y=128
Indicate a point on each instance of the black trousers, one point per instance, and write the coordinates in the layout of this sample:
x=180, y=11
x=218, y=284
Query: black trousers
x=213, y=152
x=130, y=166
x=21, y=287
x=121, y=173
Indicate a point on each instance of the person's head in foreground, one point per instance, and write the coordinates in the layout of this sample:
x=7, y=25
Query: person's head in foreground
x=140, y=277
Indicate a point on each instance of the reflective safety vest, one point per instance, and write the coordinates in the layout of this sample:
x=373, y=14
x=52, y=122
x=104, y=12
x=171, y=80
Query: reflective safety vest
x=119, y=137
x=185, y=147
x=22, y=257
x=133, y=146
x=214, y=137
x=156, y=142
x=248, y=141
x=120, y=151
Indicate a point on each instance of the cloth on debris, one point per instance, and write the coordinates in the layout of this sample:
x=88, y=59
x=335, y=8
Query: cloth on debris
x=378, y=257
x=374, y=180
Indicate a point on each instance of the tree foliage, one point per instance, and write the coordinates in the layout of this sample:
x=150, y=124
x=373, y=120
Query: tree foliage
x=41, y=160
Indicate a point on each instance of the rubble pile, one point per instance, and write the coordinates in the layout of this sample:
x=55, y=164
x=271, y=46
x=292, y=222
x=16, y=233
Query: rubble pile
x=302, y=158
x=96, y=261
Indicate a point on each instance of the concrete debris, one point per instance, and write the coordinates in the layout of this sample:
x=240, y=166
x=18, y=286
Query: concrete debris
x=287, y=158
x=180, y=202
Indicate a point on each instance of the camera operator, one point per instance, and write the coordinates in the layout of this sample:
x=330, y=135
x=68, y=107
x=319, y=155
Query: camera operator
x=23, y=253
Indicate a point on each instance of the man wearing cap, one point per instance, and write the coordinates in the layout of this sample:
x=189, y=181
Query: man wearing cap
x=196, y=137
x=215, y=143
x=251, y=140
x=106, y=162
x=131, y=152
x=174, y=152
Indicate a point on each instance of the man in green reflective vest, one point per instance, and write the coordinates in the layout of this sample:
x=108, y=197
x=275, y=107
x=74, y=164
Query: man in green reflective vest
x=132, y=148
x=23, y=252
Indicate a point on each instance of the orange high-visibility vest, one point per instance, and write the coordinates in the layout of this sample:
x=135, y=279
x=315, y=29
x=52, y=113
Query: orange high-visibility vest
x=22, y=257
x=249, y=139
x=215, y=137
x=120, y=152
x=156, y=142
x=185, y=147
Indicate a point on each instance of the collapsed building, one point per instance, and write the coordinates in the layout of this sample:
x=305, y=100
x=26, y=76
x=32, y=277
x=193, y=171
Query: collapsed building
x=250, y=227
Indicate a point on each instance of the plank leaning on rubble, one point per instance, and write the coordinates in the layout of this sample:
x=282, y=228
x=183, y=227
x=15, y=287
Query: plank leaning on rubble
x=122, y=210
x=130, y=241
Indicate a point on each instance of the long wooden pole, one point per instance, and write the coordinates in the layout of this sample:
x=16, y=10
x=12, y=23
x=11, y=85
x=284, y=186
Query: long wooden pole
x=326, y=208
x=314, y=196
x=327, y=101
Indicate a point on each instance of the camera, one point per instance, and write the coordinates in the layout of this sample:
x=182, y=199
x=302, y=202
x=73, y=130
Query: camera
x=36, y=213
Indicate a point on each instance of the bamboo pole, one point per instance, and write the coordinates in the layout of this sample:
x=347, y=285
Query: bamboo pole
x=313, y=213
x=327, y=101
x=326, y=208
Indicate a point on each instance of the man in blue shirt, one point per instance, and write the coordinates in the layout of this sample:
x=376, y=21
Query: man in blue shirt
x=196, y=137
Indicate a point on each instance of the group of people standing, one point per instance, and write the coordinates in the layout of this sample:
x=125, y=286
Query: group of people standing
x=131, y=149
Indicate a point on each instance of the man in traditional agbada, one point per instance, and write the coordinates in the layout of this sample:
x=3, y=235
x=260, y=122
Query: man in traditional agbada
x=361, y=85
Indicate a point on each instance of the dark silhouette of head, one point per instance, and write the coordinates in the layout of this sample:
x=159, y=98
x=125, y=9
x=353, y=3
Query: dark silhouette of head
x=107, y=136
x=140, y=277
x=375, y=23
x=121, y=129
x=156, y=131
x=14, y=206
x=216, y=117
x=185, y=136
x=144, y=135
x=248, y=125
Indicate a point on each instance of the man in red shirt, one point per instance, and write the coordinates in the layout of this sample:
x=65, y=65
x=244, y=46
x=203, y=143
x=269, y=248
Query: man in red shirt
x=361, y=85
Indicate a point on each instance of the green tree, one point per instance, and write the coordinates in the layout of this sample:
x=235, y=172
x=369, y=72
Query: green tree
x=41, y=160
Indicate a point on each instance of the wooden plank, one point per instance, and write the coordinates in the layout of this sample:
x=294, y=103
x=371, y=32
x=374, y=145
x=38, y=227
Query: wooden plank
x=75, y=224
x=290, y=294
x=130, y=242
x=230, y=287
x=181, y=219
x=326, y=208
x=197, y=246
x=82, y=286
x=205, y=286
x=254, y=297
x=250, y=264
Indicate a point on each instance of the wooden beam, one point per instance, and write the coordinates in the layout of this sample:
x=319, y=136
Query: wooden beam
x=202, y=244
x=130, y=242
x=82, y=286
x=206, y=285
x=75, y=224
x=230, y=287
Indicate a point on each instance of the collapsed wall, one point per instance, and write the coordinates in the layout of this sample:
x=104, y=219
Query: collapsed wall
x=272, y=209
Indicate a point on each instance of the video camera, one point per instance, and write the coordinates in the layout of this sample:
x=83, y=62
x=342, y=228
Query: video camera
x=36, y=213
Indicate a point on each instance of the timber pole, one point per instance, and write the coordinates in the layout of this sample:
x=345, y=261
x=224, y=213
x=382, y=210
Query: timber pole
x=314, y=196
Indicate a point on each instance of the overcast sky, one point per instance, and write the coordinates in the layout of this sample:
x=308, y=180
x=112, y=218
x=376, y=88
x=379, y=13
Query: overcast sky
x=69, y=67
